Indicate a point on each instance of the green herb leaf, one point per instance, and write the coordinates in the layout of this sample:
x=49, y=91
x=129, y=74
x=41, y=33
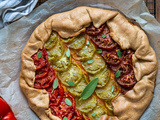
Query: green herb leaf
x=90, y=61
x=103, y=36
x=39, y=55
x=118, y=73
x=99, y=50
x=55, y=83
x=68, y=53
x=119, y=53
x=112, y=89
x=68, y=102
x=87, y=42
x=65, y=118
x=93, y=114
x=71, y=83
x=89, y=89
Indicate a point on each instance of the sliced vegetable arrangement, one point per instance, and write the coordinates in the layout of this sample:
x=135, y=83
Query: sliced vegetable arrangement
x=83, y=74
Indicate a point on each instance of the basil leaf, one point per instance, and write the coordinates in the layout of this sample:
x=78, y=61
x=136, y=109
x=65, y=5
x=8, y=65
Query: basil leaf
x=119, y=53
x=39, y=55
x=99, y=50
x=112, y=89
x=103, y=36
x=118, y=73
x=68, y=53
x=93, y=114
x=65, y=118
x=71, y=83
x=68, y=102
x=87, y=42
x=89, y=89
x=90, y=61
x=55, y=83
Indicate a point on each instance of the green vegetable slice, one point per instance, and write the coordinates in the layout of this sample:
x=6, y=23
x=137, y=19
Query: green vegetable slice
x=39, y=55
x=104, y=76
x=97, y=112
x=68, y=102
x=85, y=53
x=76, y=90
x=67, y=40
x=62, y=63
x=96, y=66
x=51, y=42
x=86, y=105
x=56, y=52
x=106, y=91
x=73, y=73
x=78, y=42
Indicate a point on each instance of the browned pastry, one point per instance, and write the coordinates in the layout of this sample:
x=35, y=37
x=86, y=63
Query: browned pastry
x=129, y=106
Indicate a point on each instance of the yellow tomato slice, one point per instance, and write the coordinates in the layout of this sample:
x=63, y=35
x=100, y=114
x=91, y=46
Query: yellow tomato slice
x=67, y=40
x=76, y=90
x=78, y=42
x=56, y=52
x=103, y=75
x=97, y=65
x=97, y=112
x=109, y=105
x=51, y=42
x=73, y=73
x=85, y=53
x=109, y=91
x=86, y=105
x=61, y=64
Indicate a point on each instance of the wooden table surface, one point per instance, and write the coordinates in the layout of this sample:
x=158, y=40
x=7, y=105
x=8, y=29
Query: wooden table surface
x=153, y=6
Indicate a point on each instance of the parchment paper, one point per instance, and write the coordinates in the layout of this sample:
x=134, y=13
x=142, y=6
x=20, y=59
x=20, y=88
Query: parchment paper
x=14, y=37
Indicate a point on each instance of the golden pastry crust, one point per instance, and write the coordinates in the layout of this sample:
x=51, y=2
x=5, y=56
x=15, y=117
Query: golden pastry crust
x=126, y=34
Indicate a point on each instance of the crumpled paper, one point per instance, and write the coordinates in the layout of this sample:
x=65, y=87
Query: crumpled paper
x=14, y=37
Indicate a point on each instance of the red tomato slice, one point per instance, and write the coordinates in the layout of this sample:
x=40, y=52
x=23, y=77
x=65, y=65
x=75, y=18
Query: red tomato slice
x=42, y=61
x=91, y=30
x=127, y=81
x=45, y=81
x=111, y=57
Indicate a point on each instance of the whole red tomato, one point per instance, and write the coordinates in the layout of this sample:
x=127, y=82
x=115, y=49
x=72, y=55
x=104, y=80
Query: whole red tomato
x=5, y=111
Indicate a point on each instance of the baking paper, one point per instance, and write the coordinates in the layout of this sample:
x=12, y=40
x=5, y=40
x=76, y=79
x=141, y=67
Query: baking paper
x=14, y=37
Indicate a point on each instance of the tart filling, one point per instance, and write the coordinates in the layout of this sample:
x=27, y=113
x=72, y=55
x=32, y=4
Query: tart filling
x=66, y=67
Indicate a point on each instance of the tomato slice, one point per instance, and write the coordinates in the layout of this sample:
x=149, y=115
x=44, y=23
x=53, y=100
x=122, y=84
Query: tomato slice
x=109, y=91
x=103, y=39
x=42, y=72
x=91, y=30
x=86, y=105
x=99, y=110
x=56, y=95
x=45, y=81
x=85, y=53
x=111, y=57
x=78, y=42
x=51, y=42
x=42, y=61
x=127, y=81
x=96, y=66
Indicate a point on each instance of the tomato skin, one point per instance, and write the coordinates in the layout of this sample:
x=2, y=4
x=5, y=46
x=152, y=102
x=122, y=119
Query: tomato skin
x=91, y=30
x=102, y=38
x=111, y=58
x=127, y=81
x=5, y=111
x=46, y=81
x=9, y=116
x=42, y=61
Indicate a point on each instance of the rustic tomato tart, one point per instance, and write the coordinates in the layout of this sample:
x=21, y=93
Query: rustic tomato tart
x=88, y=64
